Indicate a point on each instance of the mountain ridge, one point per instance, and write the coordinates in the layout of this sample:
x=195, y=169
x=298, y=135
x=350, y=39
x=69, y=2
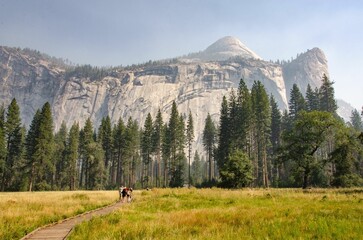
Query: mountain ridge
x=77, y=93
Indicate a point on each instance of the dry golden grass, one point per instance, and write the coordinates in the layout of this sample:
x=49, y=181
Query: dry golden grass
x=237, y=214
x=22, y=212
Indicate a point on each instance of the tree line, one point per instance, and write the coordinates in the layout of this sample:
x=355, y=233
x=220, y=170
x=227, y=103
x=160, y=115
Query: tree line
x=106, y=157
x=306, y=145
x=253, y=145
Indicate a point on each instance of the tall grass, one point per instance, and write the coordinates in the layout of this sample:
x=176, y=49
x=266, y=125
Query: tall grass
x=20, y=213
x=239, y=214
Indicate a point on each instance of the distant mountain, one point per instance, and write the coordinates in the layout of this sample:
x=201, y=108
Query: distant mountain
x=197, y=83
x=344, y=110
x=224, y=49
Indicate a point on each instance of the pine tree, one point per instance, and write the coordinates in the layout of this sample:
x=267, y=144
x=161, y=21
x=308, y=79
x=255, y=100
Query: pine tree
x=86, y=139
x=190, y=138
x=173, y=138
x=93, y=166
x=276, y=119
x=132, y=145
x=262, y=128
x=157, y=145
x=209, y=137
x=312, y=99
x=14, y=146
x=233, y=118
x=224, y=137
x=119, y=149
x=105, y=139
x=196, y=170
x=60, y=157
x=327, y=99
x=44, y=149
x=275, y=137
x=244, y=113
x=146, y=149
x=181, y=157
x=30, y=147
x=166, y=154
x=72, y=157
x=296, y=103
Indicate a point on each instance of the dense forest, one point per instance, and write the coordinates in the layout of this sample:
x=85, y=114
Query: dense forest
x=253, y=145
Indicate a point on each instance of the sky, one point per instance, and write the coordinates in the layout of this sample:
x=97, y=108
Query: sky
x=121, y=32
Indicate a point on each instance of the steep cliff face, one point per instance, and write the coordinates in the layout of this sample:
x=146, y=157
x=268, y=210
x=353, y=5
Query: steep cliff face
x=307, y=68
x=28, y=78
x=196, y=85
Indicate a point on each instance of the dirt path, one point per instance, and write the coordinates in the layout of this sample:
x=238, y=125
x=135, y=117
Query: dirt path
x=62, y=229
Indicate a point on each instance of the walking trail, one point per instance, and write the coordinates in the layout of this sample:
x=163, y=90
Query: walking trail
x=61, y=230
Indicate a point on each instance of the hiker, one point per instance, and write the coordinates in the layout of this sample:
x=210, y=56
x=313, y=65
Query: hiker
x=120, y=192
x=126, y=193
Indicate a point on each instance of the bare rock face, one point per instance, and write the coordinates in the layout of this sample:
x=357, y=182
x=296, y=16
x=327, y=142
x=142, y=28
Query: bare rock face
x=307, y=68
x=30, y=79
x=223, y=49
x=197, y=86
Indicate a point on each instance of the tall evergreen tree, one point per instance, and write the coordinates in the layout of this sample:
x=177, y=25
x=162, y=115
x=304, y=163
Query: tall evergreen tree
x=276, y=119
x=146, y=149
x=30, y=147
x=275, y=137
x=157, y=144
x=73, y=156
x=44, y=150
x=224, y=136
x=105, y=139
x=93, y=166
x=312, y=99
x=196, y=170
x=262, y=128
x=166, y=154
x=86, y=139
x=244, y=108
x=119, y=146
x=209, y=138
x=177, y=175
x=13, y=136
x=327, y=99
x=233, y=118
x=297, y=102
x=60, y=157
x=190, y=138
x=176, y=138
x=39, y=151
x=132, y=146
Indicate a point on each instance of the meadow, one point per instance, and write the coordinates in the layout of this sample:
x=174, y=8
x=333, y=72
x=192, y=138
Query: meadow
x=232, y=214
x=22, y=212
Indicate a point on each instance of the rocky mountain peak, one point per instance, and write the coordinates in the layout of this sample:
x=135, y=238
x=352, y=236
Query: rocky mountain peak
x=306, y=68
x=224, y=49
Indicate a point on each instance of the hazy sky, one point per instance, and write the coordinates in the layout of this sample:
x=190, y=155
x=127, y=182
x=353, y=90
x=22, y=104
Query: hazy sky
x=119, y=32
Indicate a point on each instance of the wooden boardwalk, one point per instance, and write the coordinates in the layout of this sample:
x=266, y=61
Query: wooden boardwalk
x=61, y=230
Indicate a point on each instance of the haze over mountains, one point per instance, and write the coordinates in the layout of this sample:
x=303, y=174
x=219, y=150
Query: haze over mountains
x=197, y=82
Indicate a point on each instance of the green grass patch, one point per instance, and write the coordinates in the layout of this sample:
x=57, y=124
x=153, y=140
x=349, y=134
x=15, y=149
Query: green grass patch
x=232, y=214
